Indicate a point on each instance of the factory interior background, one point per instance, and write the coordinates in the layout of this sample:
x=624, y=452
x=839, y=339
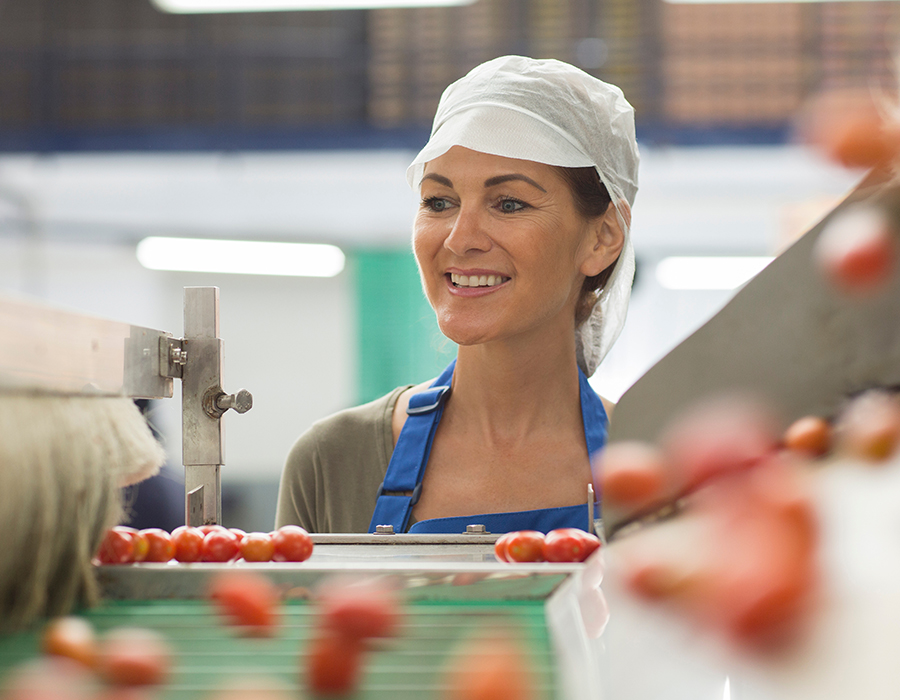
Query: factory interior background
x=120, y=122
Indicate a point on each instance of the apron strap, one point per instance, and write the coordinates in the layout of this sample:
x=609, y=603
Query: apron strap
x=402, y=484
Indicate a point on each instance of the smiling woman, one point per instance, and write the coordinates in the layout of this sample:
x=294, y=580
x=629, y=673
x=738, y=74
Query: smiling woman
x=523, y=247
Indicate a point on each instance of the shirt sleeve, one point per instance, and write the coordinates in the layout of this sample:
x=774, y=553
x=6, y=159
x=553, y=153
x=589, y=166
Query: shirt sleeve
x=299, y=486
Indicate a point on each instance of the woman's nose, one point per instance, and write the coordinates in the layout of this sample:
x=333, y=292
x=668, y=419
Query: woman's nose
x=467, y=234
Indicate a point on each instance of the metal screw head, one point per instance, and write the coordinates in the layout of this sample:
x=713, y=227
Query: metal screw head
x=384, y=529
x=478, y=529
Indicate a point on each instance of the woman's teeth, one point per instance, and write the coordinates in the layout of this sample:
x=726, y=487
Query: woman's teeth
x=476, y=280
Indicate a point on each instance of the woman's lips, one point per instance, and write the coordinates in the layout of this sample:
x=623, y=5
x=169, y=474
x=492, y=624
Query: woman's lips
x=475, y=283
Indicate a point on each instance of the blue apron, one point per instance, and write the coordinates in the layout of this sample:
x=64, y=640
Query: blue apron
x=402, y=483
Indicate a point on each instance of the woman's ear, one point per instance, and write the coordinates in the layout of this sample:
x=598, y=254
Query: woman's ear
x=606, y=238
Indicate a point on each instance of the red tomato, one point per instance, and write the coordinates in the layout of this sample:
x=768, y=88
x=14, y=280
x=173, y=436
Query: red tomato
x=631, y=473
x=237, y=532
x=220, y=546
x=160, y=547
x=71, y=637
x=809, y=435
x=206, y=529
x=717, y=437
x=133, y=656
x=140, y=543
x=525, y=546
x=360, y=611
x=117, y=547
x=857, y=251
x=247, y=599
x=500, y=546
x=569, y=545
x=188, y=543
x=491, y=669
x=333, y=664
x=870, y=426
x=257, y=546
x=292, y=543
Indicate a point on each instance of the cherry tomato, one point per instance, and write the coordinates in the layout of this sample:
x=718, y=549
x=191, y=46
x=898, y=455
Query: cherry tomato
x=870, y=426
x=220, y=546
x=500, y=547
x=292, y=543
x=333, y=664
x=206, y=529
x=849, y=128
x=490, y=669
x=631, y=473
x=360, y=611
x=809, y=435
x=857, y=251
x=134, y=656
x=257, y=546
x=117, y=547
x=70, y=637
x=188, y=543
x=718, y=437
x=525, y=546
x=237, y=532
x=160, y=547
x=247, y=599
x=140, y=543
x=569, y=545
x=48, y=678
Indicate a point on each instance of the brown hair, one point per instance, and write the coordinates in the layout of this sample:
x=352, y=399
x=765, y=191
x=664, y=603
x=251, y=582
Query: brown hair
x=592, y=200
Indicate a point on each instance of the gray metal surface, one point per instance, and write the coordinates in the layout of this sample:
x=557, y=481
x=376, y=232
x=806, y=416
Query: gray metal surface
x=203, y=402
x=49, y=350
x=786, y=338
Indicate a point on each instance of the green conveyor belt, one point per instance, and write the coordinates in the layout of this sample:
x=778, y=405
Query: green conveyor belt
x=208, y=653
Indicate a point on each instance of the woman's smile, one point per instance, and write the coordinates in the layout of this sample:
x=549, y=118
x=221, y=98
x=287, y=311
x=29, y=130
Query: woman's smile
x=469, y=283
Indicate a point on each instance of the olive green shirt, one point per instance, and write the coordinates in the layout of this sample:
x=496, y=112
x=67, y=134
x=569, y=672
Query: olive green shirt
x=333, y=472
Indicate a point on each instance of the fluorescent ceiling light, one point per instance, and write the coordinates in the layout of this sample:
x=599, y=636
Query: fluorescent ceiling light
x=207, y=6
x=240, y=257
x=709, y=272
x=745, y=2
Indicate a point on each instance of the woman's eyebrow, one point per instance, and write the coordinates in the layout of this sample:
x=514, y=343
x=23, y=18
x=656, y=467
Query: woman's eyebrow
x=440, y=179
x=500, y=179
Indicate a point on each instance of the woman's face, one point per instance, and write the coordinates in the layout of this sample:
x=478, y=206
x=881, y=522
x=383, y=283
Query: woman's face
x=501, y=247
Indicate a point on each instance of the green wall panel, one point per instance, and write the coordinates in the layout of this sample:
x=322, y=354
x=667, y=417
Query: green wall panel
x=399, y=340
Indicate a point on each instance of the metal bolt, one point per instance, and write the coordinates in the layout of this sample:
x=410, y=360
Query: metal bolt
x=179, y=356
x=476, y=530
x=384, y=529
x=242, y=401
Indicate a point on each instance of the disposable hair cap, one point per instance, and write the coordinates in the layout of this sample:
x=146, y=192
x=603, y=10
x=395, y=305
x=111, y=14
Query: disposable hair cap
x=550, y=112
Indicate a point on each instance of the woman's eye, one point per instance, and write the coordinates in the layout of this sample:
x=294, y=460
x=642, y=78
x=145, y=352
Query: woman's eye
x=436, y=204
x=510, y=206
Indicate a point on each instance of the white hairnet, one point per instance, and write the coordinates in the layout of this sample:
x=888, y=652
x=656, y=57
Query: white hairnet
x=550, y=112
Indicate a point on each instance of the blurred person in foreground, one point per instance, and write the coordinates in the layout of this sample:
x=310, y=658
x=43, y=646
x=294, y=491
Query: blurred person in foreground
x=522, y=242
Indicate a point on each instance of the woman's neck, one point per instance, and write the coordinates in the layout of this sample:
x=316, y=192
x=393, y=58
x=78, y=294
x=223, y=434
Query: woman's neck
x=507, y=390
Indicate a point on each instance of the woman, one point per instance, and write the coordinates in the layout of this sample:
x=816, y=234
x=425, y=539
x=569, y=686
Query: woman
x=522, y=244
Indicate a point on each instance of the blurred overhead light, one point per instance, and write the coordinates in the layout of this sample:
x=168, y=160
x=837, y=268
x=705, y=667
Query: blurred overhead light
x=201, y=6
x=709, y=272
x=744, y=2
x=240, y=257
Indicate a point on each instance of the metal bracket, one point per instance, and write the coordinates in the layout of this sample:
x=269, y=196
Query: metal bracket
x=172, y=357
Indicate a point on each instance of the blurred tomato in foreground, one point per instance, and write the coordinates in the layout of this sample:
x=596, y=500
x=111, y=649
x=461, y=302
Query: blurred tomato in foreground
x=134, y=657
x=359, y=610
x=493, y=668
x=630, y=474
x=857, y=251
x=71, y=637
x=247, y=599
x=809, y=435
x=333, y=664
x=869, y=427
